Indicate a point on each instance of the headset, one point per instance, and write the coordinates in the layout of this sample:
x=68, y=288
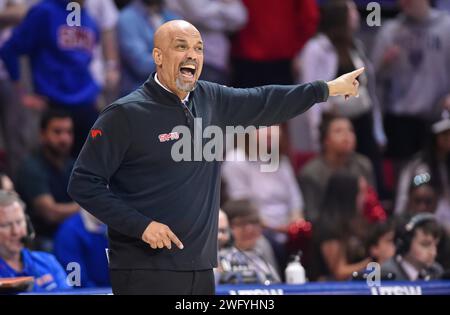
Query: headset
x=31, y=233
x=403, y=241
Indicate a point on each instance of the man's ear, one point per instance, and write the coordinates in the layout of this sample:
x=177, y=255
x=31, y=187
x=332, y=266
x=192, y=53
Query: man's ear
x=157, y=56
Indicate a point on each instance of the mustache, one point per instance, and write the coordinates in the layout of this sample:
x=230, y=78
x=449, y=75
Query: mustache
x=189, y=62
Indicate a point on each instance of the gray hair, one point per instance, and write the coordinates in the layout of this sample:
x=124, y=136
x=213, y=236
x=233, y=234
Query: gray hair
x=7, y=198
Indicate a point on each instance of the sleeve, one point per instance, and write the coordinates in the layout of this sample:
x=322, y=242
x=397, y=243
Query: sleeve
x=267, y=105
x=24, y=40
x=382, y=42
x=311, y=197
x=369, y=172
x=99, y=159
x=402, y=190
x=378, y=128
x=109, y=15
x=32, y=182
x=135, y=53
x=295, y=195
x=312, y=67
x=213, y=15
x=67, y=249
x=58, y=273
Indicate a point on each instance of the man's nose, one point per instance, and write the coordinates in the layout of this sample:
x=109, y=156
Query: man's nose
x=191, y=55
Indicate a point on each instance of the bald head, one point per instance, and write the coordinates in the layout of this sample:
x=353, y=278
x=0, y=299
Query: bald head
x=178, y=55
x=171, y=29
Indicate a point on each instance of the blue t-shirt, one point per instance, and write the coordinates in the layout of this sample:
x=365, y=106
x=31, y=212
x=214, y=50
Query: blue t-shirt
x=46, y=270
x=73, y=243
x=60, y=54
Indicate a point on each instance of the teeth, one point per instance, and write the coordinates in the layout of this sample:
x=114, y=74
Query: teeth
x=189, y=66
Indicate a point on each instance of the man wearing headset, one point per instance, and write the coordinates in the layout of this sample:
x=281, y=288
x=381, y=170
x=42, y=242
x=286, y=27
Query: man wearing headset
x=416, y=250
x=17, y=261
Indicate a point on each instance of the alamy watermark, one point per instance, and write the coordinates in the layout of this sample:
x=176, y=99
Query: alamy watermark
x=74, y=17
x=374, y=17
x=211, y=144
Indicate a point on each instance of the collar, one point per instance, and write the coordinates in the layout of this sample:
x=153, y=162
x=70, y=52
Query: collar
x=185, y=100
x=410, y=270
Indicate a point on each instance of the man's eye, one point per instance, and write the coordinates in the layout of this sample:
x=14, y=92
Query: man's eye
x=181, y=46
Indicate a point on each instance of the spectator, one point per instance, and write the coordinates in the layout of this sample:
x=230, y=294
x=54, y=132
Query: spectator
x=275, y=194
x=137, y=24
x=11, y=113
x=338, y=153
x=224, y=241
x=251, y=259
x=224, y=235
x=381, y=241
x=333, y=52
x=17, y=261
x=6, y=183
x=412, y=59
x=340, y=232
x=422, y=196
x=431, y=165
x=60, y=56
x=43, y=178
x=82, y=239
x=416, y=250
x=276, y=30
x=215, y=19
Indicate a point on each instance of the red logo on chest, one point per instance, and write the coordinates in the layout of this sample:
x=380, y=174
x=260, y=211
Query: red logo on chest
x=168, y=136
x=95, y=133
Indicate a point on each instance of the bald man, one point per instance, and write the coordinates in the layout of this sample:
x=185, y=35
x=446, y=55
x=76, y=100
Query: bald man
x=162, y=214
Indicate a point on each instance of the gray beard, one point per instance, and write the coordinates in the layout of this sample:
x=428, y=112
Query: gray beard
x=185, y=87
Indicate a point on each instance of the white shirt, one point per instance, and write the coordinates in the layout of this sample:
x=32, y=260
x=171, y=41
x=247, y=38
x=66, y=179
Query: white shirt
x=105, y=15
x=184, y=101
x=410, y=270
x=276, y=194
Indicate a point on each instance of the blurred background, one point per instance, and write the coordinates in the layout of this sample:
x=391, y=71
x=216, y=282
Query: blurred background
x=361, y=181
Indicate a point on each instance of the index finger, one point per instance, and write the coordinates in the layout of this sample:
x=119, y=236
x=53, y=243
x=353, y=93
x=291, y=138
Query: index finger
x=174, y=239
x=356, y=73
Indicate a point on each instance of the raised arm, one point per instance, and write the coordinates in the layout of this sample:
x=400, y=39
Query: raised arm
x=273, y=104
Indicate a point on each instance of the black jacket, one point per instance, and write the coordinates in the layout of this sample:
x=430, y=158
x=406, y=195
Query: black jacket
x=126, y=177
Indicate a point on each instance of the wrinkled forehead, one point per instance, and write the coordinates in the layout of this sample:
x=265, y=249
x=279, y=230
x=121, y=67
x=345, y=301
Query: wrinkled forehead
x=185, y=34
x=11, y=212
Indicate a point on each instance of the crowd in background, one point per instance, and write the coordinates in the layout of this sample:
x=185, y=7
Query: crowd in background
x=359, y=181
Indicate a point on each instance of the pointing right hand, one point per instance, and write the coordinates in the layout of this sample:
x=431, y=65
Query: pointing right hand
x=159, y=235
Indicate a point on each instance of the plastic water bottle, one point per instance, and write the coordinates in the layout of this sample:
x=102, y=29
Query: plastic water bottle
x=295, y=273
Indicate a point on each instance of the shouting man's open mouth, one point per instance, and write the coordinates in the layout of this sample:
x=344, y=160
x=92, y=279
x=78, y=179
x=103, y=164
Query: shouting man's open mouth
x=186, y=78
x=188, y=71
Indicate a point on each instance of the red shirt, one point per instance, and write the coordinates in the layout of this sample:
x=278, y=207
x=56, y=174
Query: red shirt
x=276, y=29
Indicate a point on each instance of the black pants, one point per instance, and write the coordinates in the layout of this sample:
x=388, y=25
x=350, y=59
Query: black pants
x=162, y=282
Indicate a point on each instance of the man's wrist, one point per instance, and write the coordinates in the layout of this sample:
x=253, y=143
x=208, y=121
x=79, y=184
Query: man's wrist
x=331, y=88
